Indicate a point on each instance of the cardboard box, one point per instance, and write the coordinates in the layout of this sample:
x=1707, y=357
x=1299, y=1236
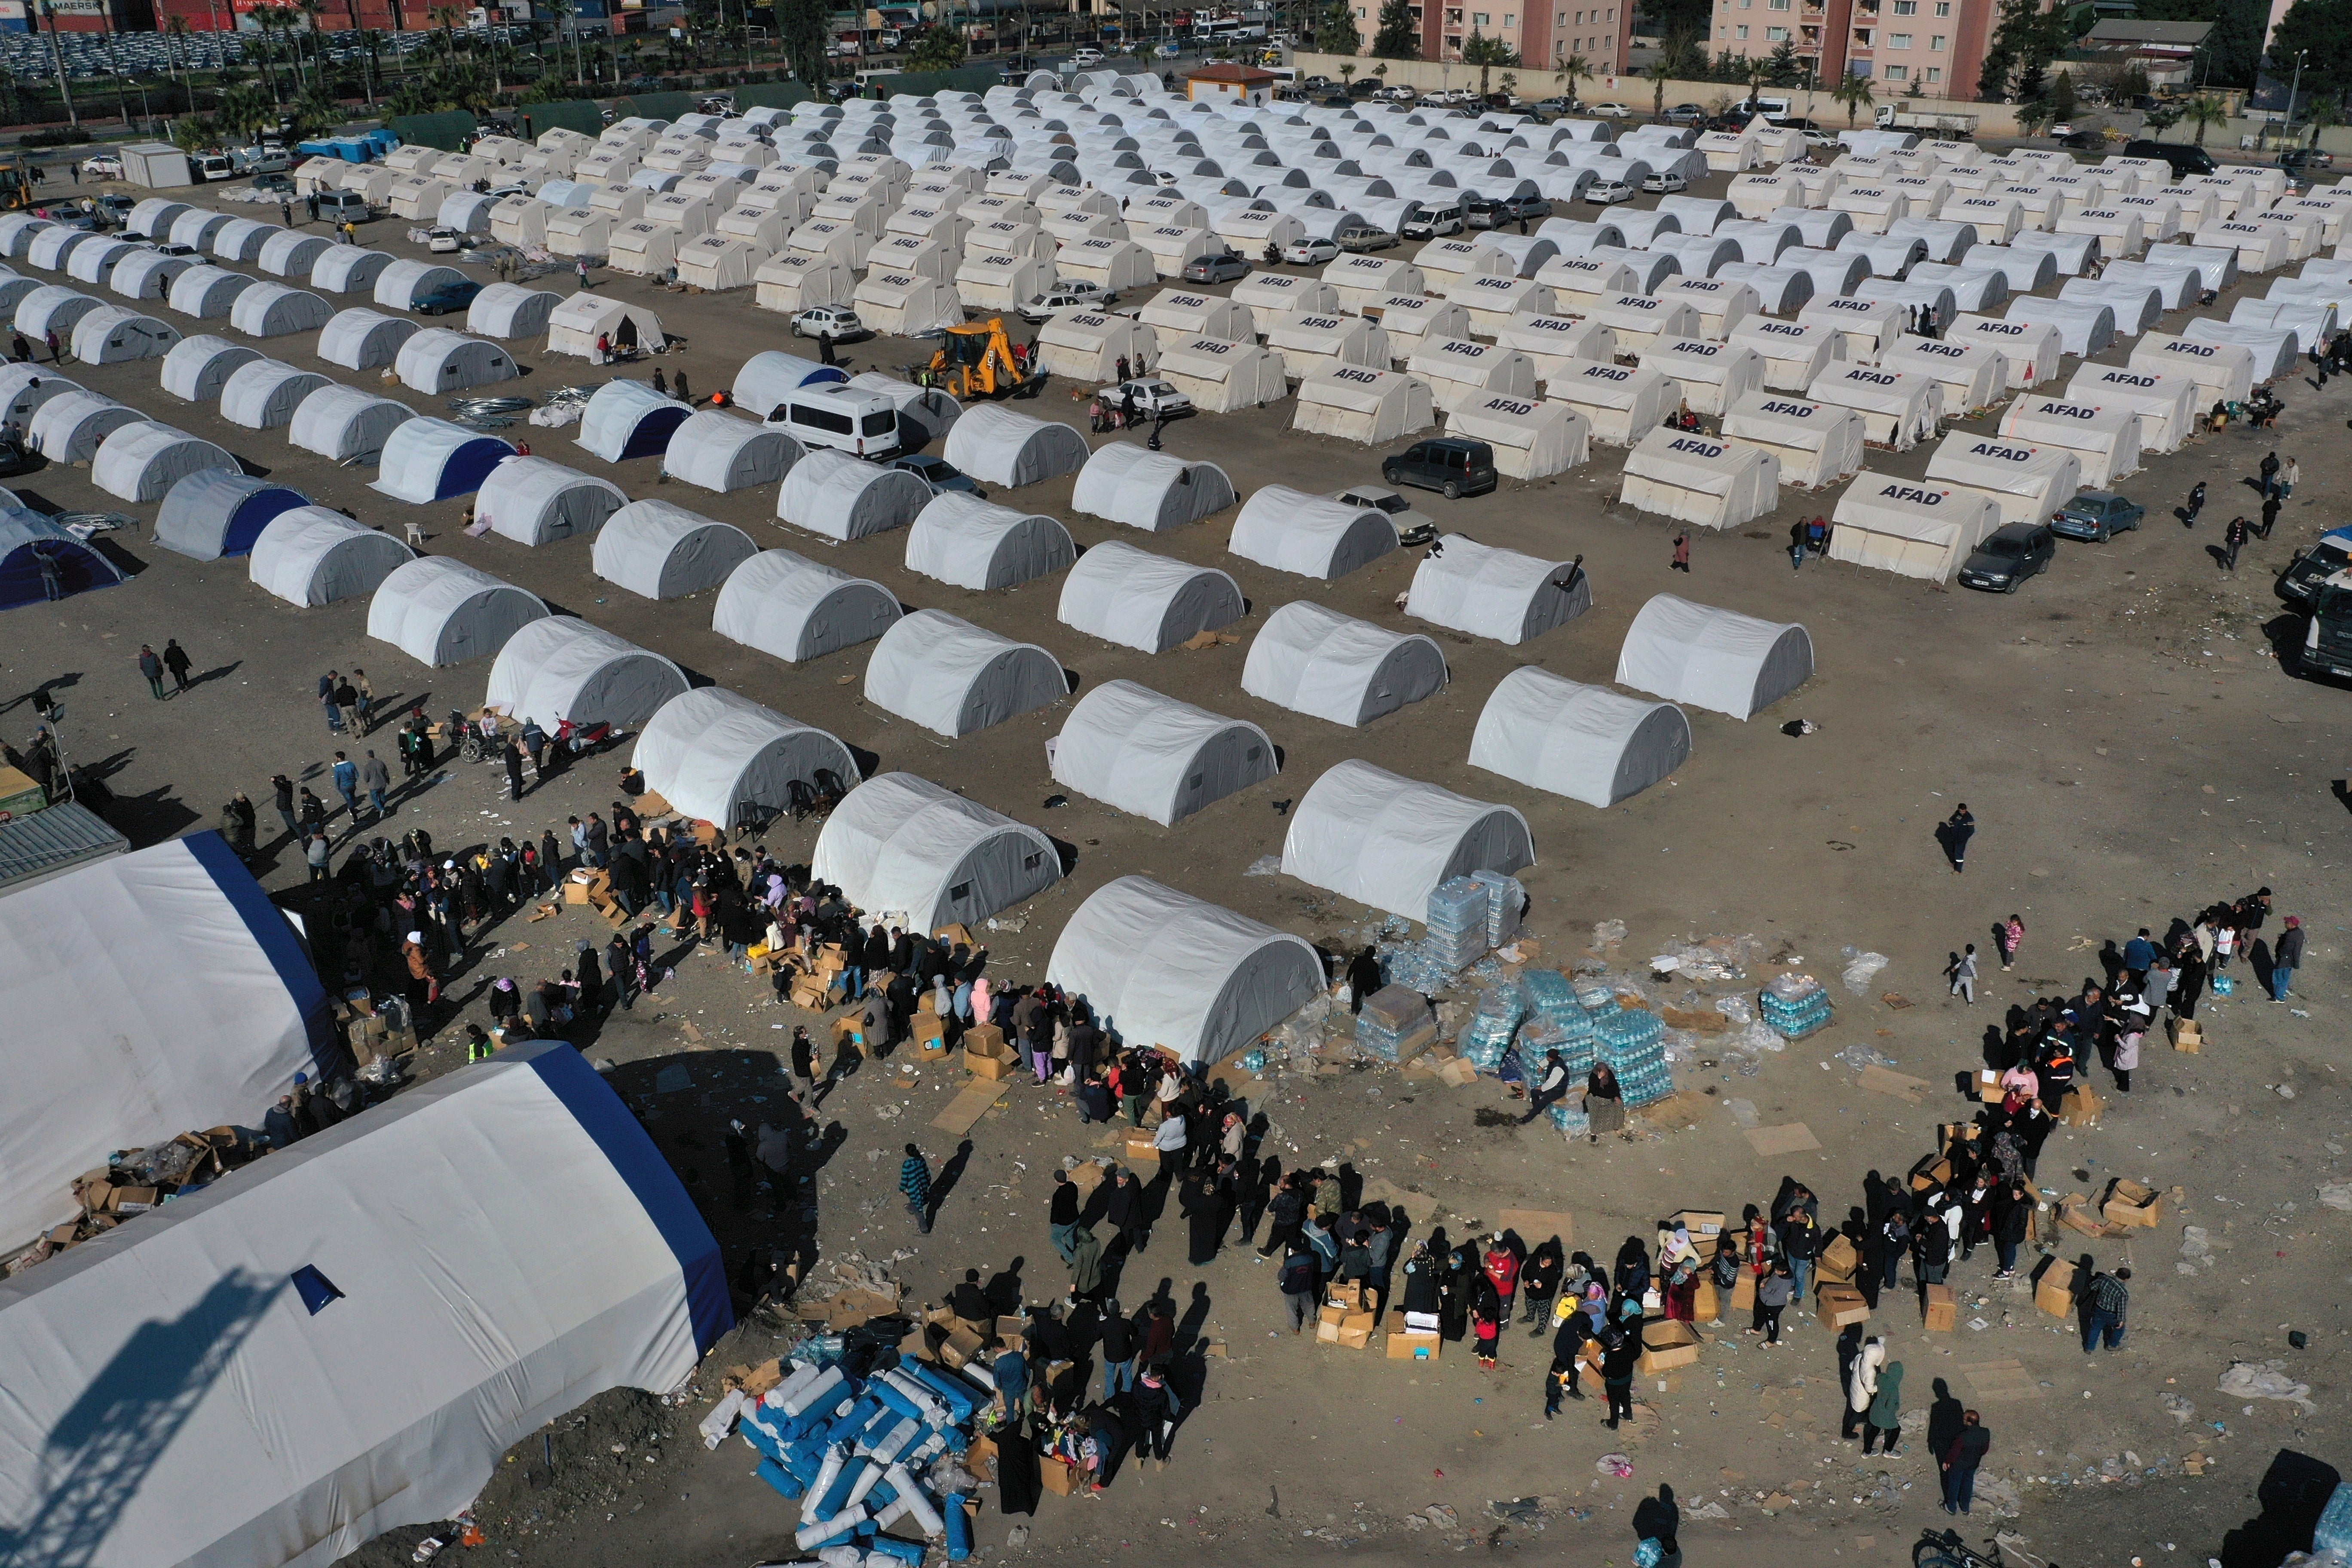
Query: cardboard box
x=2083, y=1106
x=934, y=1050
x=1415, y=1347
x=961, y=1347
x=1841, y=1306
x=1058, y=1477
x=132, y=1200
x=995, y=1069
x=1931, y=1172
x=2133, y=1203
x=986, y=1040
x=1667, y=1344
x=1348, y=1294
x=1941, y=1310
x=1743, y=1292
x=2055, y=1291
x=2187, y=1037
x=846, y=1030
x=956, y=932
x=1837, y=1260
x=576, y=889
x=1346, y=1329
x=1136, y=1148
x=1989, y=1086
x=1706, y=1301
x=1698, y=1222
x=1414, y=1043
x=1331, y=1316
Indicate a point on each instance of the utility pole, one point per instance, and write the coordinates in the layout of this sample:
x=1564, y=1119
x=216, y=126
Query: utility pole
x=2288, y=135
x=57, y=58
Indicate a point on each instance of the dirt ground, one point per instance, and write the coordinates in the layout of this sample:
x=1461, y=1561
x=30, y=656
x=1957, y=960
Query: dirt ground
x=2121, y=729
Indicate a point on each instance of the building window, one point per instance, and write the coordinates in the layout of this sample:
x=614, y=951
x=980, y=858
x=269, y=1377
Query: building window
x=1775, y=35
x=1943, y=7
x=1896, y=73
x=1478, y=20
x=1935, y=42
x=1739, y=31
x=1899, y=40
x=1935, y=74
x=1777, y=4
x=1509, y=20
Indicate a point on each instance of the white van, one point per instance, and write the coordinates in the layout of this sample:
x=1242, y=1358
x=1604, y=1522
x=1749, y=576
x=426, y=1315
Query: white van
x=862, y=423
x=1429, y=222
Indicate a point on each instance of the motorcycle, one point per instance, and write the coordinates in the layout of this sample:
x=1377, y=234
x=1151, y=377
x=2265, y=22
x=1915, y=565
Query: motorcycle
x=571, y=742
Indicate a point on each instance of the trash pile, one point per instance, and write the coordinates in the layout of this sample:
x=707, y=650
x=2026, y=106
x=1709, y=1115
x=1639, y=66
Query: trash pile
x=561, y=407
x=134, y=1181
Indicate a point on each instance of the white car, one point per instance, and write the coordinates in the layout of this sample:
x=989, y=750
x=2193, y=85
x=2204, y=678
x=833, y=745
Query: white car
x=838, y=322
x=1664, y=184
x=1154, y=398
x=443, y=241
x=1086, y=59
x=1061, y=297
x=105, y=167
x=1307, y=252
x=1610, y=112
x=1602, y=192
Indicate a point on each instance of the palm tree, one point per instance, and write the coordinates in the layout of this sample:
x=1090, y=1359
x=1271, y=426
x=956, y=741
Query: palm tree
x=1574, y=68
x=1347, y=72
x=2205, y=111
x=2323, y=114
x=1662, y=71
x=1854, y=93
x=175, y=40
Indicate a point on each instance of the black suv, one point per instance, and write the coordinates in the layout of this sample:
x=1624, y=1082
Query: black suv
x=2008, y=556
x=2186, y=157
x=1452, y=467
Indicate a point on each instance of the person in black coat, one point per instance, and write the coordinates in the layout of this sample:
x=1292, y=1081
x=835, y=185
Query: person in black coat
x=1363, y=978
x=1123, y=1210
x=1656, y=1518
x=1566, y=1341
x=1208, y=1204
x=876, y=952
x=1540, y=1283
x=1620, y=1350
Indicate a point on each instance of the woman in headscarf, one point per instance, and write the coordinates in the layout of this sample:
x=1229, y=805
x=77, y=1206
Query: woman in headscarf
x=1207, y=1202
x=1632, y=1276
x=1540, y=1283
x=1861, y=1384
x=1885, y=1416
x=1459, y=1272
x=1678, y=1263
x=1424, y=1291
x=1486, y=1320
x=1604, y=1102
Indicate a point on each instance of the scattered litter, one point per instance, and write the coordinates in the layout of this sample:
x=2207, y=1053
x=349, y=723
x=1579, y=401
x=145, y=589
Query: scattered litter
x=2338, y=1196
x=1607, y=934
x=1264, y=866
x=2244, y=1380
x=1799, y=727
x=2179, y=1409
x=1861, y=968
x=1616, y=1465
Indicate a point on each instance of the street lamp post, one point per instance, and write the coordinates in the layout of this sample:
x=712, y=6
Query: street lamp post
x=2292, y=91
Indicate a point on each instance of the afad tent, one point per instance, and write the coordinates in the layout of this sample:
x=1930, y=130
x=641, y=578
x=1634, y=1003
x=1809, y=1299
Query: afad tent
x=953, y=677
x=309, y=555
x=843, y=498
x=1309, y=341
x=906, y=304
x=1155, y=491
x=561, y=668
x=575, y=326
x=1489, y=591
x=1154, y=757
x=212, y=513
x=427, y=460
x=537, y=500
x=361, y=339
x=1622, y=403
x=1973, y=376
x=1318, y=662
x=1531, y=439
x=1160, y=968
x=1794, y=352
x=1700, y=478
x=1222, y=378
x=29, y=541
x=1139, y=600
x=438, y=360
x=963, y=541
x=795, y=609
x=903, y=848
x=1910, y=527
x=2106, y=438
x=721, y=758
x=440, y=612
x=140, y=462
x=1312, y=535
x=1089, y=345
x=264, y=394
x=543, y=1252
x=2028, y=481
x=1367, y=406
x=1385, y=840
x=2029, y=348
x=110, y=952
x=1586, y=742
x=110, y=334
x=1815, y=444
x=196, y=369
x=1721, y=660
x=2226, y=372
x=721, y=451
x=998, y=446
x=344, y=423
x=1898, y=408
x=660, y=550
x=2168, y=404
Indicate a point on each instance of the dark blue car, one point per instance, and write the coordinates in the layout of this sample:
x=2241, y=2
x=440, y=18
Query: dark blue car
x=447, y=298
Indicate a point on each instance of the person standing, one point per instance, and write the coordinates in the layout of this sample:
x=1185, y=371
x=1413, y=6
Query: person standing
x=282, y=793
x=2110, y=1296
x=2270, y=517
x=1682, y=553
x=2012, y=1211
x=2286, y=957
x=2012, y=938
x=363, y=690
x=177, y=661
x=1621, y=1352
x=314, y=854
x=1772, y=1295
x=375, y=778
x=1297, y=1280
x=1957, y=829
x=1960, y=1461
x=1962, y=972
x=1062, y=1219
x=347, y=785
x=1119, y=1342
x=2233, y=538
x=1363, y=978
x=347, y=701
x=1885, y=1416
x=2289, y=478
x=57, y=350
x=1861, y=1384
x=2270, y=469
x=511, y=754
x=153, y=669
x=584, y=272
x=915, y=1187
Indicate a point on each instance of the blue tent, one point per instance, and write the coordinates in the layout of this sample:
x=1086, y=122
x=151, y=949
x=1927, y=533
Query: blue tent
x=26, y=539
x=213, y=512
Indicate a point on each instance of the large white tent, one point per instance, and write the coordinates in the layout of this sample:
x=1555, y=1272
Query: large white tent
x=657, y=549
x=440, y=612
x=1898, y=408
x=1389, y=841
x=1530, y=439
x=2028, y=480
x=1361, y=404
x=561, y=668
x=2168, y=404
x=275, y=310
x=1317, y=661
x=1815, y=444
x=362, y=339
x=1160, y=968
x=264, y=394
x=1910, y=527
x=968, y=543
x=721, y=758
x=111, y=334
x=211, y=513
x=1221, y=377
x=1712, y=375
x=1153, y=756
x=840, y=496
x=794, y=610
x=2030, y=348
x=69, y=427
x=208, y=293
x=721, y=451
x=1089, y=345
x=627, y=420
x=1139, y=600
x=403, y=283
x=348, y=270
x=2105, y=437
x=1586, y=742
x=23, y=388
x=1489, y=592
x=903, y=848
x=2226, y=372
x=953, y=677
x=575, y=326
x=427, y=460
x=998, y=446
x=511, y=311
x=1794, y=352
x=343, y=422
x=537, y=500
x=1704, y=479
x=309, y=555
x=768, y=378
x=542, y=1252
x=1717, y=659
x=437, y=360
x=140, y=462
x=1622, y=403
x=152, y=992
x=1155, y=491
x=1312, y=535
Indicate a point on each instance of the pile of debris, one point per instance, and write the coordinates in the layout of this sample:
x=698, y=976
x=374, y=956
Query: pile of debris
x=134, y=1181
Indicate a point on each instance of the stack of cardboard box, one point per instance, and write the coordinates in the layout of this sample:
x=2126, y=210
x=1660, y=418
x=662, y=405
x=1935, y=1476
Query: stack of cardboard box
x=929, y=1036
x=1349, y=1315
x=815, y=983
x=1838, y=1302
x=986, y=1053
x=594, y=888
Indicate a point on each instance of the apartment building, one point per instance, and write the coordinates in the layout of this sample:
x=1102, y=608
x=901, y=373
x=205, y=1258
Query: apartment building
x=1936, y=45
x=1541, y=32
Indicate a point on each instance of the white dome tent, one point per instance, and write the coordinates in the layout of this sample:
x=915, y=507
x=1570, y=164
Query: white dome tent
x=771, y=375
x=1699, y=478
x=348, y=270
x=196, y=369
x=427, y=460
x=311, y=555
x=722, y=452
x=511, y=311
x=1312, y=535
x=659, y=550
x=536, y=500
x=795, y=609
x=241, y=239
x=1364, y=405
x=441, y=612
x=1152, y=756
x=720, y=757
x=1586, y=742
x=1139, y=600
x=626, y=419
x=998, y=446
x=1155, y=491
x=68, y=428
x=1814, y=444
x=361, y=339
x=1493, y=593
x=141, y=461
x=953, y=677
x=54, y=308
x=438, y=360
x=94, y=263
x=1909, y=528
x=211, y=514
x=963, y=541
x=1721, y=660
x=209, y=292
x=561, y=668
x=146, y=274
x=1318, y=662
x=926, y=414
x=274, y=310
x=264, y=394
x=401, y=284
x=573, y=326
x=1160, y=968
x=344, y=423
x=25, y=387
x=288, y=254
x=901, y=845
x=1389, y=841
x=111, y=334
x=1531, y=439
x=843, y=498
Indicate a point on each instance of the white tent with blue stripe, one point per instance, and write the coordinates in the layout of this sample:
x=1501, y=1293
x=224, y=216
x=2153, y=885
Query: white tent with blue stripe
x=306, y=1366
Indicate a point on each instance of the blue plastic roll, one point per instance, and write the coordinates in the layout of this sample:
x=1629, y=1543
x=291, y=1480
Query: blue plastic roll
x=959, y=1529
x=836, y=1496
x=896, y=1400
x=776, y=1475
x=910, y=1552
x=955, y=1395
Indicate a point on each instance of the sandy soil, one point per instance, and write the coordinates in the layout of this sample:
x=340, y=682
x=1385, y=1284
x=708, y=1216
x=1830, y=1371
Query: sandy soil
x=2130, y=748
